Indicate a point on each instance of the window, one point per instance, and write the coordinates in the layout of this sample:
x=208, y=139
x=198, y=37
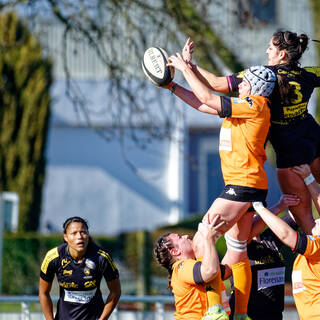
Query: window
x=205, y=178
x=252, y=13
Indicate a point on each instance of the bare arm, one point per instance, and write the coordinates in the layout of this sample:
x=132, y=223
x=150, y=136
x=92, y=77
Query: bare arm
x=281, y=229
x=218, y=84
x=210, y=264
x=45, y=299
x=112, y=299
x=201, y=91
x=304, y=171
x=285, y=201
x=189, y=97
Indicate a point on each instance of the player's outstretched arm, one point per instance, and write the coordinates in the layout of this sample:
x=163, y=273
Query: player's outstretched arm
x=45, y=299
x=218, y=84
x=189, y=98
x=281, y=229
x=201, y=91
x=286, y=200
x=210, y=264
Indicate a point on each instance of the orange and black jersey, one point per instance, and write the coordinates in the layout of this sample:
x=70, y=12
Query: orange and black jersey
x=306, y=277
x=302, y=81
x=79, y=283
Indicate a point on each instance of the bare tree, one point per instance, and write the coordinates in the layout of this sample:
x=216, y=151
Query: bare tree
x=119, y=31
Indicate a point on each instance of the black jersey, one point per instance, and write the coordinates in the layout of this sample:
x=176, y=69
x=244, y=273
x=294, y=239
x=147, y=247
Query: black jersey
x=302, y=80
x=294, y=134
x=268, y=277
x=79, y=283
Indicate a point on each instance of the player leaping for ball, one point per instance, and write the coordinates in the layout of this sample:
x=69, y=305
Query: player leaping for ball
x=242, y=138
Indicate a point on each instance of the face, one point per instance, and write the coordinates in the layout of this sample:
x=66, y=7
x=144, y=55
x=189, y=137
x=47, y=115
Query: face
x=77, y=237
x=182, y=245
x=275, y=56
x=244, y=88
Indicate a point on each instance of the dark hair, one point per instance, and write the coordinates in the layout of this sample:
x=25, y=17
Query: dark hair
x=294, y=46
x=163, y=256
x=74, y=219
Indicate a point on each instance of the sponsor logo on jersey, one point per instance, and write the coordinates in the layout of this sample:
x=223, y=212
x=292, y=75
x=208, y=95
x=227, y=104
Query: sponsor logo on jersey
x=68, y=285
x=250, y=101
x=231, y=192
x=297, y=283
x=90, y=264
x=67, y=272
x=225, y=142
x=64, y=263
x=90, y=284
x=82, y=297
x=86, y=271
x=270, y=277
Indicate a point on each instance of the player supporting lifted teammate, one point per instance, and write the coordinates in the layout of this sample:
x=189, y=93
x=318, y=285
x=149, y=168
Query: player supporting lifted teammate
x=189, y=277
x=242, y=138
x=79, y=265
x=306, y=268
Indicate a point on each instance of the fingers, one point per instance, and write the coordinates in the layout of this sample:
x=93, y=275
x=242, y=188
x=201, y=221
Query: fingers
x=290, y=199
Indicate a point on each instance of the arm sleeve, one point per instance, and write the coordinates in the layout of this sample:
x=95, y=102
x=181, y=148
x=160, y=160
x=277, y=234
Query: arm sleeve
x=316, y=72
x=308, y=245
x=301, y=244
x=189, y=272
x=234, y=80
x=244, y=107
x=48, y=266
x=108, y=267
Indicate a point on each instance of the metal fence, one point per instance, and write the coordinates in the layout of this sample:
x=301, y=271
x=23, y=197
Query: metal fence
x=158, y=311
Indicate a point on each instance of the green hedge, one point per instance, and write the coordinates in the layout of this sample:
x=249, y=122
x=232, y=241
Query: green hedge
x=23, y=254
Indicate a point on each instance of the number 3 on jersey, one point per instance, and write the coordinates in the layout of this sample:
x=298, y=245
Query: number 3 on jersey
x=297, y=91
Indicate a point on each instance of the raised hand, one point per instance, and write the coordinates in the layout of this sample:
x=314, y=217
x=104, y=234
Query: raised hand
x=177, y=62
x=187, y=50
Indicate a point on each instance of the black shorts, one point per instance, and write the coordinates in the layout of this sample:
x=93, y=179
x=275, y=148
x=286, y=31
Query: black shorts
x=296, y=144
x=243, y=194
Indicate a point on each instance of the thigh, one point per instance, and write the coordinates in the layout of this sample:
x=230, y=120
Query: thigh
x=229, y=211
x=291, y=183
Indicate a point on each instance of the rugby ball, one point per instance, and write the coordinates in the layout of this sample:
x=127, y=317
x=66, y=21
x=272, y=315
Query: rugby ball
x=154, y=66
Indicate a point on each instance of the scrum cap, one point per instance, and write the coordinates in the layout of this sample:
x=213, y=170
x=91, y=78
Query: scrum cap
x=262, y=80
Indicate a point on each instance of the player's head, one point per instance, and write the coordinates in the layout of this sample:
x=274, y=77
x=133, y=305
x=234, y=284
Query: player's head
x=261, y=79
x=76, y=233
x=286, y=47
x=74, y=219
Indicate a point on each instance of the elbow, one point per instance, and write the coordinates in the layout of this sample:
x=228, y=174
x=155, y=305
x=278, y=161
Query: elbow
x=209, y=274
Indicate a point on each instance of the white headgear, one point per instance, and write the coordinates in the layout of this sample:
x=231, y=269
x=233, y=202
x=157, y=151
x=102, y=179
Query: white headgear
x=262, y=80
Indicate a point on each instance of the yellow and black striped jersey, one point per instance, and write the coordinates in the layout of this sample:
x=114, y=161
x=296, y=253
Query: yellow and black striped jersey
x=79, y=283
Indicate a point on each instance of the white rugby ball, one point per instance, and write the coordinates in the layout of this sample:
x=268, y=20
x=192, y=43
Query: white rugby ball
x=154, y=66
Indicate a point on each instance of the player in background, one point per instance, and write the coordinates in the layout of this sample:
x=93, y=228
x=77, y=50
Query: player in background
x=242, y=138
x=79, y=265
x=306, y=268
x=294, y=133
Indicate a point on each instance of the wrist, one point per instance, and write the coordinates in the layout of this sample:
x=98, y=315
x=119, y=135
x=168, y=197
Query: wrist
x=258, y=206
x=309, y=179
x=173, y=87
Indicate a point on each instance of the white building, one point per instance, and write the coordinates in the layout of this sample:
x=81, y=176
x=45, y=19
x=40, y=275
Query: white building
x=89, y=177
